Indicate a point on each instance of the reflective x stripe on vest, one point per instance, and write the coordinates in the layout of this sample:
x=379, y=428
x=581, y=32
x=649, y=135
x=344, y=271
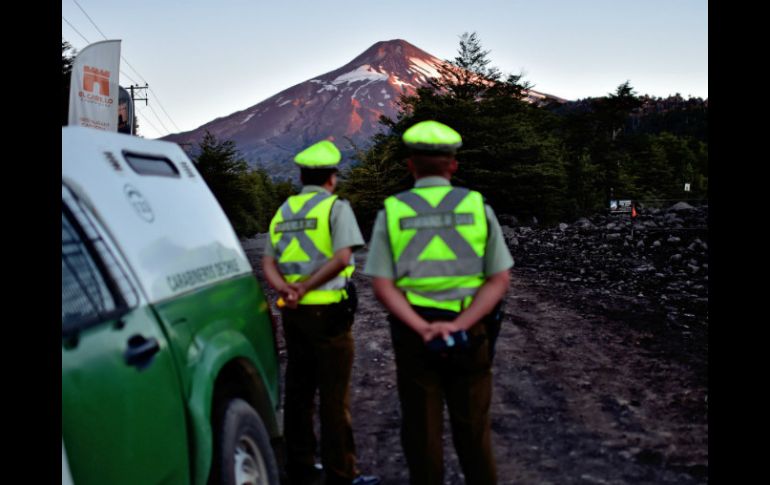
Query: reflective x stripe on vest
x=294, y=226
x=453, y=274
x=303, y=244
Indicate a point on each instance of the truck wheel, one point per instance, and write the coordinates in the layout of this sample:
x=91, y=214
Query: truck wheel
x=244, y=455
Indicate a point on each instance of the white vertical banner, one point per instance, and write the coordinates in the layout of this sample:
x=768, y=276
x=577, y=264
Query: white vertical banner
x=94, y=86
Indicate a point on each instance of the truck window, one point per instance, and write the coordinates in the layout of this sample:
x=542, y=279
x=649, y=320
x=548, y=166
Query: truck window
x=151, y=165
x=85, y=296
x=94, y=287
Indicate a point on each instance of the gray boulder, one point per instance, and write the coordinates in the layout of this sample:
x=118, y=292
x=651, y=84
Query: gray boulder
x=681, y=206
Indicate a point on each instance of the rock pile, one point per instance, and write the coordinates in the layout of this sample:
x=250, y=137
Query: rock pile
x=656, y=262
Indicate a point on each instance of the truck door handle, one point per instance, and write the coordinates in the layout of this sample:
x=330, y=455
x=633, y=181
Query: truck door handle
x=141, y=351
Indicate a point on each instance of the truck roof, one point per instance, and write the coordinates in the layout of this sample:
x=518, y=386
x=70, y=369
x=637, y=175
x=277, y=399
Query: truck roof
x=156, y=207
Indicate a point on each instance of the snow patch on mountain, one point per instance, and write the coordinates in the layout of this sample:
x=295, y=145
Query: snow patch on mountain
x=361, y=73
x=398, y=82
x=327, y=87
x=424, y=67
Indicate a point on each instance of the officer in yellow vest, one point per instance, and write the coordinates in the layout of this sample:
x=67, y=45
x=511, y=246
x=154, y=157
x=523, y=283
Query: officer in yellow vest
x=308, y=259
x=441, y=267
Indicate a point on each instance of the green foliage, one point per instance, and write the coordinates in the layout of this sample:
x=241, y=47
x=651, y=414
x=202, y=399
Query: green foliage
x=248, y=197
x=617, y=146
x=663, y=163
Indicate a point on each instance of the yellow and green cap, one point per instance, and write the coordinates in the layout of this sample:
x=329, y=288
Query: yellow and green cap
x=320, y=155
x=432, y=136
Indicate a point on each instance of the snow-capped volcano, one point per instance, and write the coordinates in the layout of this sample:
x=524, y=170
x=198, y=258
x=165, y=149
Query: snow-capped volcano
x=341, y=104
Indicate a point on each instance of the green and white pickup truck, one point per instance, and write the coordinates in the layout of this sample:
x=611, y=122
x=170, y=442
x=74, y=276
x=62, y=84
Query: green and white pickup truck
x=169, y=361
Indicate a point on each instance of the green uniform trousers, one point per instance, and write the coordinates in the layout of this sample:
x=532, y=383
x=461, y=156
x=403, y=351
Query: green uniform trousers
x=319, y=344
x=425, y=380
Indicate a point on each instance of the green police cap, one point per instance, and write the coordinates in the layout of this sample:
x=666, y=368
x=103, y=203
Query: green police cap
x=432, y=136
x=320, y=155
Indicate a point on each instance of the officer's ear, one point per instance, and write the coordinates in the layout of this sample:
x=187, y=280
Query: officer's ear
x=453, y=165
x=410, y=166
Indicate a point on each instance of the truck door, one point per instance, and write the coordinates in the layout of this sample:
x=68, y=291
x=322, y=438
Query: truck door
x=123, y=417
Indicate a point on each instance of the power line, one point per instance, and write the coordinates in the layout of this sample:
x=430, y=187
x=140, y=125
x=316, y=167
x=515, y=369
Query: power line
x=129, y=77
x=105, y=38
x=88, y=42
x=76, y=30
x=159, y=120
x=164, y=110
x=133, y=69
x=145, y=118
x=89, y=18
x=157, y=98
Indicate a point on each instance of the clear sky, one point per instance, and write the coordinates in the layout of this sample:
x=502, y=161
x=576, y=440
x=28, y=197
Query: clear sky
x=205, y=59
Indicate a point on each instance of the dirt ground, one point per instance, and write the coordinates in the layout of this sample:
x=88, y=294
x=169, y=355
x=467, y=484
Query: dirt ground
x=585, y=391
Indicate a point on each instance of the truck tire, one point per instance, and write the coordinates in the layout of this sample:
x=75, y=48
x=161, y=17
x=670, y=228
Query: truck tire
x=243, y=455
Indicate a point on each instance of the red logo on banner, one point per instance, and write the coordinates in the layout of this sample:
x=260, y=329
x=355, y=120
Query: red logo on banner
x=93, y=75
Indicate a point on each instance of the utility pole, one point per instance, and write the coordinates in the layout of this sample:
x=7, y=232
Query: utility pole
x=132, y=88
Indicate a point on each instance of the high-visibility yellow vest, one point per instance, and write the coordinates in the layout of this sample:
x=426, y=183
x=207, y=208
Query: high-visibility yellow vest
x=301, y=237
x=438, y=237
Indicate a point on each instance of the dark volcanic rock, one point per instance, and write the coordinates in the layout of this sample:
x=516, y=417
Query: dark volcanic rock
x=661, y=254
x=507, y=220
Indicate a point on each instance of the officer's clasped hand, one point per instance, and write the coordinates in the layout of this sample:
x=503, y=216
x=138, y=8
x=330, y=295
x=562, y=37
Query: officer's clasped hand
x=290, y=295
x=444, y=335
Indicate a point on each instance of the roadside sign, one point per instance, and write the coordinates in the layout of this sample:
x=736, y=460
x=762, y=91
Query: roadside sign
x=620, y=206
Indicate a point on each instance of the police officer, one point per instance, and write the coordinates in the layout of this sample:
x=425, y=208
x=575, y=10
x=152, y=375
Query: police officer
x=441, y=267
x=308, y=260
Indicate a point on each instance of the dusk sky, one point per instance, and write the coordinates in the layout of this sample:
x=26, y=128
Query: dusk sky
x=205, y=59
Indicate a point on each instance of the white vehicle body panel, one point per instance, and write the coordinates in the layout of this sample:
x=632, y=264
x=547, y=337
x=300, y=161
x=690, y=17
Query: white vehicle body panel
x=170, y=229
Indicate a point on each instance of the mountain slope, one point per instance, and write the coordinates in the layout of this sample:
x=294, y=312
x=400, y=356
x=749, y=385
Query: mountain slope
x=341, y=104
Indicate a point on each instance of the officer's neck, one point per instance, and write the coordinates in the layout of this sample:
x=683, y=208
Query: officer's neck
x=447, y=176
x=317, y=188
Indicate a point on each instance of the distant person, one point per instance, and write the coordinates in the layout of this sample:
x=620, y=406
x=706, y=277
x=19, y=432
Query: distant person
x=308, y=260
x=441, y=267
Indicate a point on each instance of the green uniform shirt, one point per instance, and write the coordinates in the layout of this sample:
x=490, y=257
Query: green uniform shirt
x=379, y=263
x=343, y=224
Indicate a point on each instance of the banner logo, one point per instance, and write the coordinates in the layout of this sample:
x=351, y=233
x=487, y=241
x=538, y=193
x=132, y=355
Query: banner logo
x=93, y=75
